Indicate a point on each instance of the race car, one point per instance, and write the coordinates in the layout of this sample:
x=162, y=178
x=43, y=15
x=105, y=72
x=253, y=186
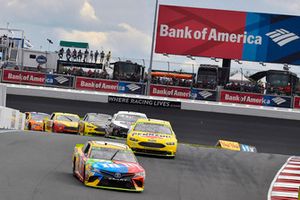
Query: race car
x=151, y=136
x=121, y=123
x=62, y=123
x=34, y=120
x=93, y=123
x=109, y=165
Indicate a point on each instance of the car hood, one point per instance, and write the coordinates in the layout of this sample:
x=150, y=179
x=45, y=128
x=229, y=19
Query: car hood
x=114, y=166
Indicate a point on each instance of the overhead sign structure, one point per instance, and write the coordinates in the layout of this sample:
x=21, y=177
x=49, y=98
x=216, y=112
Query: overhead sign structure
x=228, y=34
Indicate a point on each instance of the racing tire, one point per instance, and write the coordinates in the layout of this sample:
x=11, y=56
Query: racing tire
x=53, y=128
x=83, y=175
x=74, y=163
x=82, y=131
x=29, y=127
x=44, y=128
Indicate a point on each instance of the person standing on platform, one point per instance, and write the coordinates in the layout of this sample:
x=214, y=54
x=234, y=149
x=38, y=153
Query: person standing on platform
x=79, y=55
x=92, y=56
x=96, y=56
x=102, y=55
x=108, y=56
x=86, y=54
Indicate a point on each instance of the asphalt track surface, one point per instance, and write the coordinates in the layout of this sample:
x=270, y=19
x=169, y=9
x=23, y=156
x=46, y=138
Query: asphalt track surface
x=268, y=135
x=37, y=166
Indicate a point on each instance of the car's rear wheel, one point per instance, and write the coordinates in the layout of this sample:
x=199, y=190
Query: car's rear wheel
x=53, y=128
x=29, y=126
x=83, y=175
x=74, y=167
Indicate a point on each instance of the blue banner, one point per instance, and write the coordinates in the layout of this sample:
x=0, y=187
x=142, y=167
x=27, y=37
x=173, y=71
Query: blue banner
x=59, y=80
x=277, y=101
x=131, y=88
x=206, y=95
x=279, y=38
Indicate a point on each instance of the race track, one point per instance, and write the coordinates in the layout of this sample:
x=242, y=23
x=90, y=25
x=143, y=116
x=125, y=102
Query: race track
x=268, y=135
x=37, y=166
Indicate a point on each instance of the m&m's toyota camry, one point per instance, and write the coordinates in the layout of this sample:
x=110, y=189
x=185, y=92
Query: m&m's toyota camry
x=110, y=165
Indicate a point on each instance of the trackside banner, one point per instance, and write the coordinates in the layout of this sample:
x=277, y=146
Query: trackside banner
x=144, y=102
x=255, y=99
x=102, y=85
x=297, y=102
x=228, y=34
x=23, y=77
x=170, y=91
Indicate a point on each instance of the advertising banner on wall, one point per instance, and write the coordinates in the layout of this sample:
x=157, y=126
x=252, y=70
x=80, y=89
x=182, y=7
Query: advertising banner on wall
x=297, y=102
x=255, y=99
x=24, y=77
x=228, y=34
x=59, y=80
x=170, y=91
x=96, y=84
x=205, y=95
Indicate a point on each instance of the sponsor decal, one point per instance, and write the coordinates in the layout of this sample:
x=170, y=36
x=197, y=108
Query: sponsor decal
x=207, y=95
x=61, y=79
x=282, y=37
x=41, y=59
x=170, y=91
x=152, y=135
x=145, y=102
x=227, y=34
x=278, y=100
x=24, y=77
x=297, y=102
x=96, y=84
x=133, y=87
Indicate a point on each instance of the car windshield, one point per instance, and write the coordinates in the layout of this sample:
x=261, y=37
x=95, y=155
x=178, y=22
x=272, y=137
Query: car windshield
x=39, y=117
x=128, y=118
x=153, y=128
x=98, y=118
x=68, y=118
x=112, y=154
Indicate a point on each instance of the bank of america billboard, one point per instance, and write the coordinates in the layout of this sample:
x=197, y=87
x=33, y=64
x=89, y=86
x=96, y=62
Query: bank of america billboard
x=228, y=34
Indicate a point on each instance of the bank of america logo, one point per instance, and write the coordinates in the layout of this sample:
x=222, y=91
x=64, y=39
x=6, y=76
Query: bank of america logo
x=205, y=94
x=133, y=87
x=278, y=100
x=61, y=79
x=282, y=36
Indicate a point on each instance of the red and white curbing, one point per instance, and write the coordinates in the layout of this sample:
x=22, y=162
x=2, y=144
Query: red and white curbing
x=286, y=183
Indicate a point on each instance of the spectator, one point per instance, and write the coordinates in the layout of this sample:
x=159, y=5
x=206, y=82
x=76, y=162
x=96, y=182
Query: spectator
x=79, y=55
x=96, y=56
x=102, y=55
x=61, y=53
x=74, y=54
x=68, y=54
x=108, y=56
x=86, y=54
x=92, y=56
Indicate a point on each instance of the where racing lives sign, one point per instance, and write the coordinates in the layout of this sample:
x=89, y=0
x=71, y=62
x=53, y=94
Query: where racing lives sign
x=145, y=102
x=228, y=34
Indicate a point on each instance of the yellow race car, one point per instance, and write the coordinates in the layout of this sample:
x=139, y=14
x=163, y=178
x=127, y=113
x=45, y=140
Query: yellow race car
x=150, y=136
x=61, y=123
x=93, y=124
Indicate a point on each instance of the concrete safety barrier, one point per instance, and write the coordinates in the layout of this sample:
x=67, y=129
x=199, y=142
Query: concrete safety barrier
x=193, y=105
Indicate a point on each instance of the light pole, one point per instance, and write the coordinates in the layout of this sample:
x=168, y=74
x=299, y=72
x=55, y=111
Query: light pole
x=152, y=49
